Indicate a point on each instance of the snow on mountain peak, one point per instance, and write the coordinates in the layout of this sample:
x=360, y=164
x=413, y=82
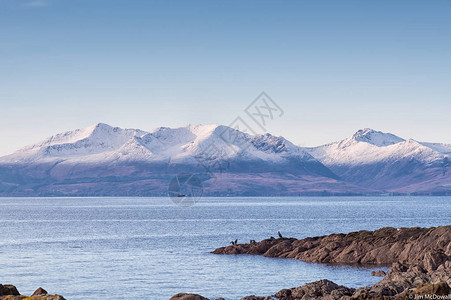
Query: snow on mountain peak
x=101, y=141
x=376, y=138
x=368, y=146
x=97, y=138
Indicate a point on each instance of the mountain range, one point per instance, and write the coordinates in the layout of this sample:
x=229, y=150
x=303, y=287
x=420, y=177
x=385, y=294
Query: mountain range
x=102, y=160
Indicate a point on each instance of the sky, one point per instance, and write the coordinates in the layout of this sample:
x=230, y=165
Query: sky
x=333, y=67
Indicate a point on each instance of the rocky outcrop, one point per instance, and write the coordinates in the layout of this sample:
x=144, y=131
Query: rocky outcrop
x=440, y=289
x=10, y=292
x=420, y=260
x=8, y=289
x=39, y=292
x=378, y=273
x=426, y=248
x=253, y=297
x=315, y=290
x=186, y=296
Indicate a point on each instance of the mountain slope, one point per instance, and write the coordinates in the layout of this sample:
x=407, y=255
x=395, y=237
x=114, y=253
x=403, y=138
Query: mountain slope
x=105, y=160
x=386, y=162
x=102, y=160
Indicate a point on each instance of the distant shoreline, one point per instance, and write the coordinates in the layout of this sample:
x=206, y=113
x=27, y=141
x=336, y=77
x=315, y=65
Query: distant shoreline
x=230, y=197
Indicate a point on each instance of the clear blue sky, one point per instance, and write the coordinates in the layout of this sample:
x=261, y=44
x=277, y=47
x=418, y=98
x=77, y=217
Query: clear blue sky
x=333, y=66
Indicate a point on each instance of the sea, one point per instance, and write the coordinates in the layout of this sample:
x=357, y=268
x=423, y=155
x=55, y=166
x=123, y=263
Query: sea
x=151, y=248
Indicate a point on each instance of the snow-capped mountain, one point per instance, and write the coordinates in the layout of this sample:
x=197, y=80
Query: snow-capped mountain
x=387, y=162
x=187, y=145
x=99, y=138
x=105, y=160
x=376, y=138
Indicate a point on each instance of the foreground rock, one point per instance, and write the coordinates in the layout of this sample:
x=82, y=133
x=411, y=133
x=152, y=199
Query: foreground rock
x=186, y=296
x=379, y=273
x=314, y=290
x=427, y=248
x=10, y=292
x=420, y=260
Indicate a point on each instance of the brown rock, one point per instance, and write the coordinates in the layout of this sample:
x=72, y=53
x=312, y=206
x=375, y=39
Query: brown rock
x=439, y=289
x=434, y=259
x=397, y=267
x=278, y=249
x=420, y=258
x=400, y=284
x=378, y=273
x=185, y=296
x=43, y=297
x=8, y=289
x=427, y=248
x=39, y=292
x=253, y=297
x=9, y=292
x=315, y=290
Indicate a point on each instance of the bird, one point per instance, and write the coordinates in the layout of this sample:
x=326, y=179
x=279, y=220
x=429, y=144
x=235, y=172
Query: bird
x=280, y=235
x=232, y=242
x=236, y=242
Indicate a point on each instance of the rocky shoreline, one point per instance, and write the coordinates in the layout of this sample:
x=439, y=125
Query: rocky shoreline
x=420, y=260
x=10, y=292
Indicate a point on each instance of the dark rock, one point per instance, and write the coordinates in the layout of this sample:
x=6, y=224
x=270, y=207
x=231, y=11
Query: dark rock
x=9, y=292
x=315, y=290
x=284, y=294
x=439, y=289
x=378, y=273
x=253, y=297
x=401, y=283
x=8, y=289
x=185, y=296
x=397, y=267
x=40, y=291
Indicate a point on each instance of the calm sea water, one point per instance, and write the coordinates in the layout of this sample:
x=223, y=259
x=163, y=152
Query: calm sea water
x=148, y=248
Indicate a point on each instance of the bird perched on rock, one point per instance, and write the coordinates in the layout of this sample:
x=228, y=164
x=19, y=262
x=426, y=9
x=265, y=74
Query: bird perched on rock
x=236, y=242
x=280, y=235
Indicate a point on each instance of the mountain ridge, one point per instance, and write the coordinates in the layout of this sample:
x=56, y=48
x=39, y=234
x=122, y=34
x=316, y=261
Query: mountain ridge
x=391, y=164
x=106, y=160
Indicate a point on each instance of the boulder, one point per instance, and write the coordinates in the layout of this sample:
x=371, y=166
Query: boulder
x=186, y=296
x=39, y=292
x=315, y=290
x=379, y=273
x=439, y=289
x=8, y=289
x=253, y=297
x=9, y=292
